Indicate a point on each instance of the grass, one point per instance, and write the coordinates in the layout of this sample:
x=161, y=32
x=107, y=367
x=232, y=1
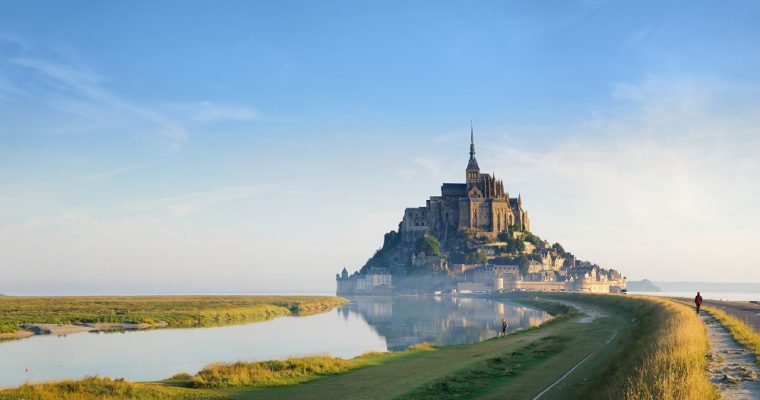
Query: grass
x=469, y=382
x=273, y=373
x=104, y=389
x=662, y=356
x=206, y=383
x=740, y=331
x=175, y=310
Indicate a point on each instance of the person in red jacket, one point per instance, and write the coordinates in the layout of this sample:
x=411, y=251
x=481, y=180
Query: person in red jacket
x=698, y=301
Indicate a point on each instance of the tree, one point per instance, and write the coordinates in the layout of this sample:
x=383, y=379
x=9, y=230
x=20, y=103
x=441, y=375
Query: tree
x=524, y=263
x=429, y=245
x=476, y=257
x=559, y=249
x=519, y=246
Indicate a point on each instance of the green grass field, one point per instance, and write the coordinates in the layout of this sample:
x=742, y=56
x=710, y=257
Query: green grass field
x=174, y=310
x=637, y=348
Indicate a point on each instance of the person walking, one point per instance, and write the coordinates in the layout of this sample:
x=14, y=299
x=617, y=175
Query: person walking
x=503, y=327
x=698, y=301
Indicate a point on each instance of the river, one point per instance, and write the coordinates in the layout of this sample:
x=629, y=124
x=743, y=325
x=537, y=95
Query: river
x=364, y=324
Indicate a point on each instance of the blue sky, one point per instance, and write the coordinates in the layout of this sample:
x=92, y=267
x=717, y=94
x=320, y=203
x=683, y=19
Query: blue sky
x=262, y=146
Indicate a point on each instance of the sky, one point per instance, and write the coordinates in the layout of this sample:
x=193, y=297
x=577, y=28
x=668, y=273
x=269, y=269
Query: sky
x=251, y=147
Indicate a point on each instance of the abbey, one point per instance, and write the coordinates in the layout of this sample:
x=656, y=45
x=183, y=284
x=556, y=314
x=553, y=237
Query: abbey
x=473, y=239
x=481, y=204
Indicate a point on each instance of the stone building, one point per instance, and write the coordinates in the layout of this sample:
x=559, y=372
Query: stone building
x=375, y=281
x=481, y=204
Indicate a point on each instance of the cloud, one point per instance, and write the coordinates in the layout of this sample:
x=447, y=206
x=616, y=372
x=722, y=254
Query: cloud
x=207, y=112
x=663, y=185
x=188, y=204
x=87, y=104
x=74, y=99
x=110, y=173
x=429, y=165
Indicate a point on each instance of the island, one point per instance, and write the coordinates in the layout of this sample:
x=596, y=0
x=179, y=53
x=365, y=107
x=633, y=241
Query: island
x=473, y=239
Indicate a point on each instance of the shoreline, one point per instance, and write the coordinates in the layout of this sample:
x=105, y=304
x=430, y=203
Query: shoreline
x=32, y=316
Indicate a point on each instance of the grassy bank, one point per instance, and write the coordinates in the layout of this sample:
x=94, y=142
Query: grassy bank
x=174, y=310
x=105, y=389
x=740, y=331
x=661, y=356
x=272, y=373
x=209, y=383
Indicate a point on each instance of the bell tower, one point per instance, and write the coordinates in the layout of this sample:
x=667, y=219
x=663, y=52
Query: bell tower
x=473, y=170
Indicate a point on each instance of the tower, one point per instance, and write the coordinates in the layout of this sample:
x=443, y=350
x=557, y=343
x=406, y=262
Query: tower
x=473, y=170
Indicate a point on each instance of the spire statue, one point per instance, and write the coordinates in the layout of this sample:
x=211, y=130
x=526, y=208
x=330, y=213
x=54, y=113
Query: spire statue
x=472, y=142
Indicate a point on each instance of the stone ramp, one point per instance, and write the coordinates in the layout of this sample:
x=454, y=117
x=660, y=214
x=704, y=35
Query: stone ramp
x=732, y=367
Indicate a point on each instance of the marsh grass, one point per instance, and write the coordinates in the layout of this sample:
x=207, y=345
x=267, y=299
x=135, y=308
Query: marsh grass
x=103, y=389
x=205, y=383
x=291, y=371
x=271, y=373
x=739, y=330
x=175, y=310
x=421, y=346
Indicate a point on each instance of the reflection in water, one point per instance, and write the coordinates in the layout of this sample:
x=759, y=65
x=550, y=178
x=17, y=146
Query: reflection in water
x=366, y=323
x=407, y=320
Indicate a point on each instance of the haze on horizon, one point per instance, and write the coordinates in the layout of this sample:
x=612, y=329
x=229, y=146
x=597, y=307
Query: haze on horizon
x=262, y=147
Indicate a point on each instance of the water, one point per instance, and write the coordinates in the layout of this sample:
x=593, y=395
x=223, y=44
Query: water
x=729, y=296
x=366, y=323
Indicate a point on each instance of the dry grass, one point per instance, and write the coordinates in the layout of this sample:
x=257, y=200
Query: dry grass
x=661, y=356
x=421, y=346
x=102, y=389
x=270, y=373
x=669, y=361
x=740, y=331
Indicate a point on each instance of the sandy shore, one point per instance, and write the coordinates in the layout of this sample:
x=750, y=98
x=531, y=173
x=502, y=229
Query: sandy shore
x=107, y=326
x=65, y=329
x=15, y=335
x=55, y=329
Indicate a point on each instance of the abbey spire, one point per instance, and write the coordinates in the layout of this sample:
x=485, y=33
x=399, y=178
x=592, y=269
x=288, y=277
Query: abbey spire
x=472, y=142
x=473, y=170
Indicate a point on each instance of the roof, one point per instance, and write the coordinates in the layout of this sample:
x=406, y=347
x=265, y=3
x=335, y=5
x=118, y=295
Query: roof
x=473, y=164
x=454, y=189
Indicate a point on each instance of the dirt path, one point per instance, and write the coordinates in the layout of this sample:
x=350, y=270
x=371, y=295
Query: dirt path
x=732, y=367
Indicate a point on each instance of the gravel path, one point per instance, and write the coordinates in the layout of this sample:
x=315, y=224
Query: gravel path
x=732, y=367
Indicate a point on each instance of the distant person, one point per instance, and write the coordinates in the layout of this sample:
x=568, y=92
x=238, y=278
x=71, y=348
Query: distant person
x=503, y=327
x=698, y=301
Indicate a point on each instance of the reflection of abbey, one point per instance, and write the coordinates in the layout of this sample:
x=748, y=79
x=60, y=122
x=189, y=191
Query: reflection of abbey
x=473, y=238
x=481, y=204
